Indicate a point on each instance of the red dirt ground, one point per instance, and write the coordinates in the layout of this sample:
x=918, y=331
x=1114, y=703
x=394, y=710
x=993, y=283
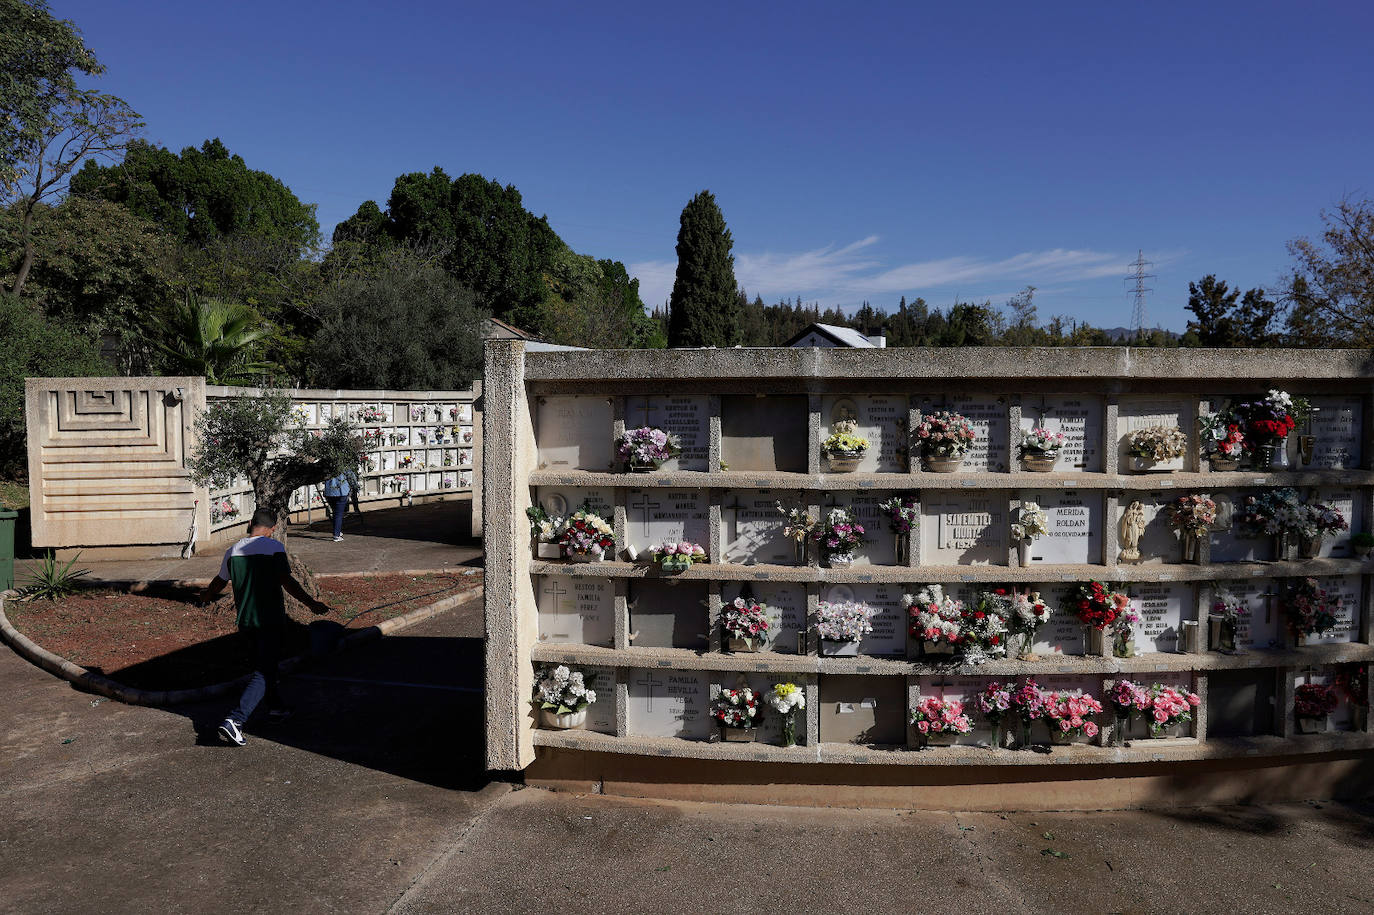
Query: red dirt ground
x=163, y=640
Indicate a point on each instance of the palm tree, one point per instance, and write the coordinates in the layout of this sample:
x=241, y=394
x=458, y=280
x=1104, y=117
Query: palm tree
x=213, y=338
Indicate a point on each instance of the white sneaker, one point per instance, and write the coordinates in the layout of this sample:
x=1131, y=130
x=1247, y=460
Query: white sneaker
x=338, y=538
x=231, y=732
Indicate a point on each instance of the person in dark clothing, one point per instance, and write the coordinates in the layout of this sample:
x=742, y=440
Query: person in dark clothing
x=258, y=568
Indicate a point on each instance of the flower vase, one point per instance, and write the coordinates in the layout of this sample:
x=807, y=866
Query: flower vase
x=942, y=739
x=1023, y=738
x=581, y=556
x=844, y=461
x=673, y=565
x=1281, y=547
x=901, y=547
x=943, y=464
x=835, y=648
x=1059, y=738
x=745, y=644
x=1222, y=464
x=737, y=735
x=999, y=737
x=1025, y=646
x=1309, y=547
x=799, y=551
x=1096, y=641
x=1308, y=725
x=789, y=729
x=839, y=560
x=1040, y=463
x=1023, y=553
x=1192, y=548
x=1123, y=645
x=643, y=466
x=553, y=721
x=1141, y=464
x=1119, y=728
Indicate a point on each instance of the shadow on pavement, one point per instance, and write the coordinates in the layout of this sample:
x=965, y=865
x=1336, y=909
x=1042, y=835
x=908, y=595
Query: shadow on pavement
x=448, y=522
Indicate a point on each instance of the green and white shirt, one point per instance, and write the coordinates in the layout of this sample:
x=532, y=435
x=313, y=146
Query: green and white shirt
x=255, y=566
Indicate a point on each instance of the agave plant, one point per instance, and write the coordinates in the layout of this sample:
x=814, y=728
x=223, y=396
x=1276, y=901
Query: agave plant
x=51, y=580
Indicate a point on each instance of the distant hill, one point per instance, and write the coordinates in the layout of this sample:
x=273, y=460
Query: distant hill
x=1123, y=334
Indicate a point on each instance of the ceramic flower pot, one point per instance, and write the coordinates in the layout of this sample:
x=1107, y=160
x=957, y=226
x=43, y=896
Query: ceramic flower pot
x=839, y=560
x=672, y=565
x=1059, y=738
x=1023, y=554
x=1271, y=455
x=1306, y=725
x=942, y=739
x=1309, y=547
x=938, y=464
x=1040, y=463
x=548, y=718
x=737, y=735
x=1141, y=464
x=834, y=648
x=1223, y=464
x=844, y=461
x=745, y=644
x=548, y=551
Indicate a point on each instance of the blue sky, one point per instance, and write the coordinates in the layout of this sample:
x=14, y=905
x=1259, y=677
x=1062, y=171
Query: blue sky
x=858, y=151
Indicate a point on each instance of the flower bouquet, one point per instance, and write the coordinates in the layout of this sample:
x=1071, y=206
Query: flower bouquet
x=1071, y=715
x=939, y=718
x=223, y=510
x=1040, y=449
x=646, y=448
x=1268, y=421
x=986, y=625
x=1275, y=513
x=1155, y=445
x=841, y=625
x=586, y=537
x=799, y=529
x=677, y=557
x=1031, y=522
x=737, y=712
x=903, y=516
x=1192, y=518
x=562, y=697
x=1222, y=439
x=1312, y=704
x=546, y=532
x=943, y=437
x=844, y=447
x=1310, y=608
x=1170, y=707
x=838, y=536
x=1127, y=699
x=1028, y=705
x=1224, y=621
x=786, y=699
x=1353, y=681
x=417, y=413
x=1315, y=521
x=1028, y=613
x=994, y=704
x=746, y=624
x=1123, y=632
x=935, y=620
x=1096, y=605
x=372, y=414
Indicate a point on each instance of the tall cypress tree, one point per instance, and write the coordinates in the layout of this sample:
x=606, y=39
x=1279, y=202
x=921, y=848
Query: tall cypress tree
x=705, y=308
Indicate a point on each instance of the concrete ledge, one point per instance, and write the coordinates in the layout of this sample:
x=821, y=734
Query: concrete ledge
x=102, y=685
x=1093, y=784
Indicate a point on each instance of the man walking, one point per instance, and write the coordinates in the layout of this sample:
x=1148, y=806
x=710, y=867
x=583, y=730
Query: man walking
x=336, y=492
x=258, y=568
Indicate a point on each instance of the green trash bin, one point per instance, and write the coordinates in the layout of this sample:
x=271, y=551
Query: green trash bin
x=7, y=523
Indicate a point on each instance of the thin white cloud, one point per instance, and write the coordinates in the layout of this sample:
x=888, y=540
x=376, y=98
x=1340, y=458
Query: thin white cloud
x=853, y=272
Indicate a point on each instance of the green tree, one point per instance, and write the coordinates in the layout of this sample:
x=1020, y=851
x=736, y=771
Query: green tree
x=214, y=338
x=704, y=305
x=1337, y=274
x=399, y=321
x=1213, y=304
x=35, y=346
x=102, y=267
x=202, y=195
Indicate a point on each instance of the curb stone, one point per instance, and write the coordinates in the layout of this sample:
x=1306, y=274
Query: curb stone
x=102, y=685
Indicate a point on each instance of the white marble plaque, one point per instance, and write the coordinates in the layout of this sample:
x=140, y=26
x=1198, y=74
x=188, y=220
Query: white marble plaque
x=669, y=703
x=1063, y=633
x=1227, y=543
x=1337, y=426
x=1348, y=616
x=562, y=501
x=576, y=609
x=601, y=713
x=959, y=529
x=668, y=613
x=786, y=603
x=888, y=637
x=1349, y=504
x=965, y=690
x=753, y=527
x=575, y=433
x=658, y=515
x=988, y=416
x=1162, y=607
x=879, y=547
x=881, y=418
x=1075, y=528
x=1262, y=628
x=686, y=415
x=1141, y=413
x=1078, y=417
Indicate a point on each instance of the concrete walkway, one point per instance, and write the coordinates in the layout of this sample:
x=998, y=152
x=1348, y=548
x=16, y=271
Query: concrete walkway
x=372, y=799
x=434, y=535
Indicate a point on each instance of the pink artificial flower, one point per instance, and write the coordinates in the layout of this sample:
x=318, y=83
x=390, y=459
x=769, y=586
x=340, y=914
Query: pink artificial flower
x=923, y=726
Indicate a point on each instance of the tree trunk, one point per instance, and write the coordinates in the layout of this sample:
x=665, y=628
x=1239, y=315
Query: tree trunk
x=271, y=495
x=24, y=267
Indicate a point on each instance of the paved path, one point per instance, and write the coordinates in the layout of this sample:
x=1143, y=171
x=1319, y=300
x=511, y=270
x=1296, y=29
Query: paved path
x=372, y=800
x=434, y=535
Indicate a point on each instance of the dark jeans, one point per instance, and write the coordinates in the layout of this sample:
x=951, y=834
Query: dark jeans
x=340, y=506
x=267, y=654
